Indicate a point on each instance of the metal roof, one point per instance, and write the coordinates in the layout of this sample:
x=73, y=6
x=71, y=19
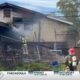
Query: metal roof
x=32, y=11
x=60, y=20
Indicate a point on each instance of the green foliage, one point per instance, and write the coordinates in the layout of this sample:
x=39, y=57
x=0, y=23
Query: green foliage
x=70, y=9
x=38, y=66
x=20, y=67
x=59, y=68
x=2, y=68
x=33, y=66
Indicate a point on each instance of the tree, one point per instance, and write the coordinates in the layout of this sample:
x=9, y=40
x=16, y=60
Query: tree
x=70, y=10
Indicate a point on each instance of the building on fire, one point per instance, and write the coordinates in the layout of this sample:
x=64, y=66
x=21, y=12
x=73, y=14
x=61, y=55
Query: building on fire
x=42, y=33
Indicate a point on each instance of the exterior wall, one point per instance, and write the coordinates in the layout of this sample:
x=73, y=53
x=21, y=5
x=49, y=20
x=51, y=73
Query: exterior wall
x=46, y=30
x=13, y=14
x=53, y=31
x=2, y=18
x=41, y=28
x=6, y=19
x=21, y=14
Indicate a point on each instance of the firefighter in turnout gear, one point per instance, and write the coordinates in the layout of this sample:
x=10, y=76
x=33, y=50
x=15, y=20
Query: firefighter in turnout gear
x=24, y=45
x=71, y=60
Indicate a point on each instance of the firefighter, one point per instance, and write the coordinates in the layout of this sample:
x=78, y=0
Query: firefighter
x=24, y=45
x=71, y=60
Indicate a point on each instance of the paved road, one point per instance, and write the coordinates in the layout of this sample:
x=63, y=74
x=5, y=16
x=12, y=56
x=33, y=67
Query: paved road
x=39, y=76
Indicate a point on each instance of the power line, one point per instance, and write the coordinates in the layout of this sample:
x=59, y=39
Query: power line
x=65, y=16
x=58, y=11
x=61, y=14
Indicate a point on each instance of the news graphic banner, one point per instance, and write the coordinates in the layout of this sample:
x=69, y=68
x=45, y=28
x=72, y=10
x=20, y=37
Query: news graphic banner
x=39, y=75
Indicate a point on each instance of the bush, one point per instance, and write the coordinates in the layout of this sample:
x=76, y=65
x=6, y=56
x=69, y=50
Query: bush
x=2, y=68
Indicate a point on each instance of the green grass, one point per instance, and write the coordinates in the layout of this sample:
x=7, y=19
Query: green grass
x=34, y=66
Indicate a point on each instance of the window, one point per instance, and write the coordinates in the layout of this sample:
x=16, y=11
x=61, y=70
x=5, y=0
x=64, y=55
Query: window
x=15, y=19
x=7, y=12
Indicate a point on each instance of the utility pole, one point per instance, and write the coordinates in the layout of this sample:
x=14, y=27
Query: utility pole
x=55, y=46
x=39, y=32
x=39, y=35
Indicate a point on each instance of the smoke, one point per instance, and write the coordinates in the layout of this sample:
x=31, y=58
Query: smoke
x=23, y=32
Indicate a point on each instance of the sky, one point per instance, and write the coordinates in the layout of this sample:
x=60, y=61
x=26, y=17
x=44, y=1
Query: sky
x=44, y=6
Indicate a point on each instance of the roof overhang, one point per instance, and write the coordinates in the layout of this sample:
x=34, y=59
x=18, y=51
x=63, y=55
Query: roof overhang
x=60, y=20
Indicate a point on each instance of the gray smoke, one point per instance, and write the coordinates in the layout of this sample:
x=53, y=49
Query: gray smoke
x=23, y=32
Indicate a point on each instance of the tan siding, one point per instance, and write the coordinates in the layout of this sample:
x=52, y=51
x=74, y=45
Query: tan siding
x=2, y=18
x=35, y=31
x=53, y=31
x=13, y=14
x=47, y=32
